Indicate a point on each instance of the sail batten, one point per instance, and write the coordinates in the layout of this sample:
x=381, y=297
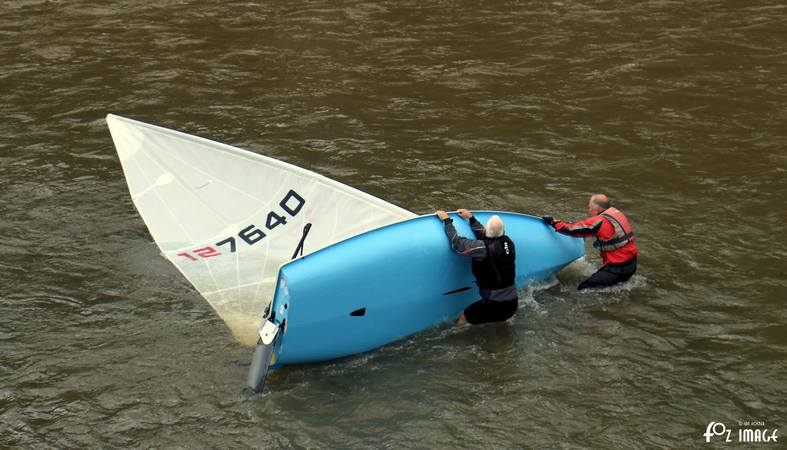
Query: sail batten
x=227, y=218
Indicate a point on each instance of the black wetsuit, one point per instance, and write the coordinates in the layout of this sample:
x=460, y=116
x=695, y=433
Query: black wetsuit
x=493, y=267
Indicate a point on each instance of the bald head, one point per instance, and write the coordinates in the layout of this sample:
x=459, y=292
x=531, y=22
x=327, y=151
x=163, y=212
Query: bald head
x=495, y=227
x=598, y=203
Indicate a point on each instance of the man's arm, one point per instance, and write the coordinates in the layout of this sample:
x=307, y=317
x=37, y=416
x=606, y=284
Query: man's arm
x=584, y=228
x=466, y=247
x=478, y=228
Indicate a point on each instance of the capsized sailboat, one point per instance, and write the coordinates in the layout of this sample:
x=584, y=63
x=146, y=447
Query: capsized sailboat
x=385, y=284
x=227, y=218
x=233, y=222
x=335, y=303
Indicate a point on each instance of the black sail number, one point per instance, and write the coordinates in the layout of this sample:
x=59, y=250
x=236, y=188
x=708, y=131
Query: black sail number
x=292, y=203
x=274, y=220
x=251, y=234
x=292, y=195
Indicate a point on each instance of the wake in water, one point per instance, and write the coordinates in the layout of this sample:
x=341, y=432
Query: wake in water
x=581, y=269
x=563, y=287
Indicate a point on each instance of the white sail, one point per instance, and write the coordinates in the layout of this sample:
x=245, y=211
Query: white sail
x=228, y=218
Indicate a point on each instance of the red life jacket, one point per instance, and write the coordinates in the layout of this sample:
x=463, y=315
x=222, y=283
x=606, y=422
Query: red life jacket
x=623, y=232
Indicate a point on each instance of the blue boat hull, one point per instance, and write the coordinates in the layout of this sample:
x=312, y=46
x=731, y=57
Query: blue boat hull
x=388, y=283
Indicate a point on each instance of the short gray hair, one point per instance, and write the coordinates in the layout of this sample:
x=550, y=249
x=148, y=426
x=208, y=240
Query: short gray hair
x=601, y=201
x=495, y=227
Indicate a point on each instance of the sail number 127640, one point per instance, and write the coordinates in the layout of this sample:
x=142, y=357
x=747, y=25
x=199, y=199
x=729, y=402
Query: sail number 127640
x=291, y=204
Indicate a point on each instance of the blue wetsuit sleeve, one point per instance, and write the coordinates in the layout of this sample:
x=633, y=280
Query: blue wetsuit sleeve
x=466, y=247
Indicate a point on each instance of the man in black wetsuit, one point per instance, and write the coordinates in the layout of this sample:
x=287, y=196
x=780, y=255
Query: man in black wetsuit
x=493, y=257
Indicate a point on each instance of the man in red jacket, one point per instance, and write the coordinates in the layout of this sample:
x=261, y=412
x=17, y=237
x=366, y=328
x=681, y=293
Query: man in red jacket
x=614, y=237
